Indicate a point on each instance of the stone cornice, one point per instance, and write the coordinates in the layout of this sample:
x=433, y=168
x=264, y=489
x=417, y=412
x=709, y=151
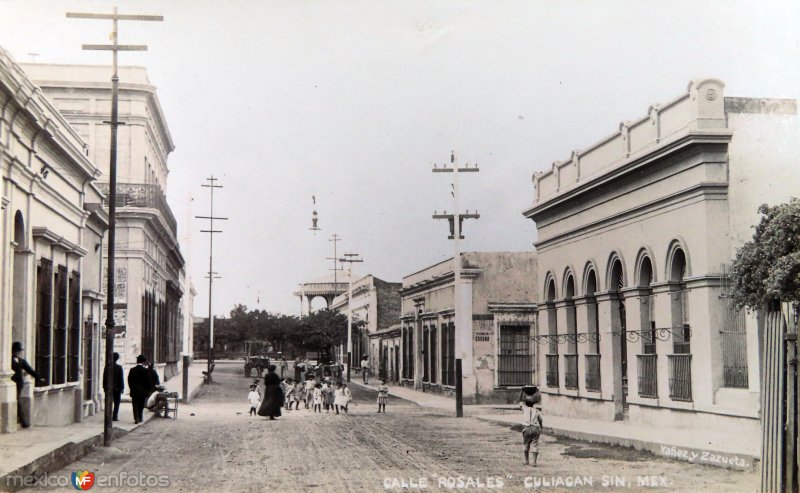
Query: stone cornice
x=56, y=240
x=497, y=307
x=467, y=274
x=705, y=188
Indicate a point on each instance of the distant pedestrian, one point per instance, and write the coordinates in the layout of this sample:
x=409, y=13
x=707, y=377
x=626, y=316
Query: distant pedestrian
x=365, y=369
x=383, y=396
x=273, y=395
x=254, y=398
x=140, y=387
x=310, y=384
x=341, y=398
x=327, y=396
x=318, y=398
x=298, y=394
x=531, y=424
x=117, y=387
x=284, y=365
x=18, y=365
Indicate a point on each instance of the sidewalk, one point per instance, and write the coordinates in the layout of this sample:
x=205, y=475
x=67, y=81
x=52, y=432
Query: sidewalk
x=728, y=450
x=41, y=449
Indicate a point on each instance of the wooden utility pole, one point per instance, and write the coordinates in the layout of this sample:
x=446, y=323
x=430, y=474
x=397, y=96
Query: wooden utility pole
x=350, y=258
x=463, y=327
x=114, y=48
x=211, y=274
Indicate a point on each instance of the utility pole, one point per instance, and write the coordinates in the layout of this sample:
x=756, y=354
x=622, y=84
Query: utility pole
x=350, y=258
x=335, y=239
x=211, y=274
x=462, y=327
x=114, y=48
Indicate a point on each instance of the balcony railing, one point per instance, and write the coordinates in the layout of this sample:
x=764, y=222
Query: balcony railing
x=143, y=195
x=680, y=377
x=571, y=371
x=552, y=370
x=648, y=375
x=593, y=372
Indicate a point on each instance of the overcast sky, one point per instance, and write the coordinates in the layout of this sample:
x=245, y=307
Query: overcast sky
x=351, y=101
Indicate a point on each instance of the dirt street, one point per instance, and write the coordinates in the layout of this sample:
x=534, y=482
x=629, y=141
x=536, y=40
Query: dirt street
x=215, y=446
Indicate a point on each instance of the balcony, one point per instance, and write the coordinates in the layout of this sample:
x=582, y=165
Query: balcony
x=571, y=371
x=552, y=370
x=145, y=196
x=680, y=377
x=593, y=372
x=648, y=375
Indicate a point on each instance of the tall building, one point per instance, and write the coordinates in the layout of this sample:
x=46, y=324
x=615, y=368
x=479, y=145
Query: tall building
x=149, y=265
x=51, y=244
x=637, y=233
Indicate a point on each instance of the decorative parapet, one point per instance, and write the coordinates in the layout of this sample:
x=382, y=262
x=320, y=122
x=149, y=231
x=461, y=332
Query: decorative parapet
x=701, y=110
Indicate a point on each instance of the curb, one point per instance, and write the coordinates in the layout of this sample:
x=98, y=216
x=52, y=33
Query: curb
x=712, y=458
x=56, y=459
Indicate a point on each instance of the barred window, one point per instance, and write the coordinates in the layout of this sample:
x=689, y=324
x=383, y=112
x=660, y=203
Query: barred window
x=515, y=360
x=60, y=335
x=74, y=327
x=44, y=298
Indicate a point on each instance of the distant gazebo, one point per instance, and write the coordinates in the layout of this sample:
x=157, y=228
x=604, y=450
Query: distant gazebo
x=327, y=287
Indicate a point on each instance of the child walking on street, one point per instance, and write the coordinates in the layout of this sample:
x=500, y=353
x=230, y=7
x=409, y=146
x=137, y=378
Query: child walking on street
x=532, y=429
x=327, y=396
x=383, y=396
x=341, y=398
x=254, y=398
x=318, y=398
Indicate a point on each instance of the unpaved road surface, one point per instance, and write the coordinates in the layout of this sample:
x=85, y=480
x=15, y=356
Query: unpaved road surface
x=215, y=446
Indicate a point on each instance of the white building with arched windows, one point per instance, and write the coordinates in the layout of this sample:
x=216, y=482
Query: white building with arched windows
x=636, y=236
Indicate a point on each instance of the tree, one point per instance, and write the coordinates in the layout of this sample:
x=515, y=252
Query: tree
x=320, y=330
x=768, y=267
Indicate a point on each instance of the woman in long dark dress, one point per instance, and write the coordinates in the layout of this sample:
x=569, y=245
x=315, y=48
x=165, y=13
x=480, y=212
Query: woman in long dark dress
x=273, y=395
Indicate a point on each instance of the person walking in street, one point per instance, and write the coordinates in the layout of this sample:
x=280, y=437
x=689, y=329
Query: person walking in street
x=273, y=395
x=383, y=396
x=310, y=384
x=254, y=398
x=284, y=366
x=531, y=426
x=327, y=396
x=117, y=386
x=365, y=369
x=317, y=398
x=140, y=384
x=341, y=398
x=18, y=365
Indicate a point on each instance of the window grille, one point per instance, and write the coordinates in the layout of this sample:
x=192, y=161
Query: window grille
x=648, y=375
x=514, y=361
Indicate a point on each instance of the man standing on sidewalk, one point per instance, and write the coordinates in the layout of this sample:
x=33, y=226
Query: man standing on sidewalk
x=365, y=369
x=140, y=386
x=117, y=386
x=18, y=365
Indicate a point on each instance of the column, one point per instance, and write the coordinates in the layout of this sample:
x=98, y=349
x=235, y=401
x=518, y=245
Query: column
x=610, y=350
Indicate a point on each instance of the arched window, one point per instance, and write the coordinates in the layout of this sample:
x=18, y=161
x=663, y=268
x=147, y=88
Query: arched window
x=647, y=306
x=572, y=323
x=679, y=303
x=551, y=373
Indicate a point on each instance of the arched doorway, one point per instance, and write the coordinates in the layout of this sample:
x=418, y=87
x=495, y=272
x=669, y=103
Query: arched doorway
x=19, y=292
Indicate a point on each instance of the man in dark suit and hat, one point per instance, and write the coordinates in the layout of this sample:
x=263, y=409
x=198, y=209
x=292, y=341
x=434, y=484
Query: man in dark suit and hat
x=117, y=386
x=141, y=386
x=18, y=365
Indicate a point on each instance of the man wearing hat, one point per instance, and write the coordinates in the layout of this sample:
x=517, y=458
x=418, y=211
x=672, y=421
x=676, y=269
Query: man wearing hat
x=117, y=386
x=18, y=365
x=141, y=386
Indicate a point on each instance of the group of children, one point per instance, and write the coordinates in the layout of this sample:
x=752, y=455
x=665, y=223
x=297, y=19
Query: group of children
x=316, y=396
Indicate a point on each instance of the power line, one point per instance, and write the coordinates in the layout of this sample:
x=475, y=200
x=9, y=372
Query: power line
x=463, y=338
x=114, y=48
x=211, y=275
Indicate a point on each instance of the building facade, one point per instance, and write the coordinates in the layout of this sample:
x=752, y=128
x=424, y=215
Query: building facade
x=636, y=237
x=149, y=265
x=498, y=297
x=51, y=244
x=376, y=304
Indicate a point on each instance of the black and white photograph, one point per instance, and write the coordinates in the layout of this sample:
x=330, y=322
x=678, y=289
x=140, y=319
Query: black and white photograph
x=399, y=245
